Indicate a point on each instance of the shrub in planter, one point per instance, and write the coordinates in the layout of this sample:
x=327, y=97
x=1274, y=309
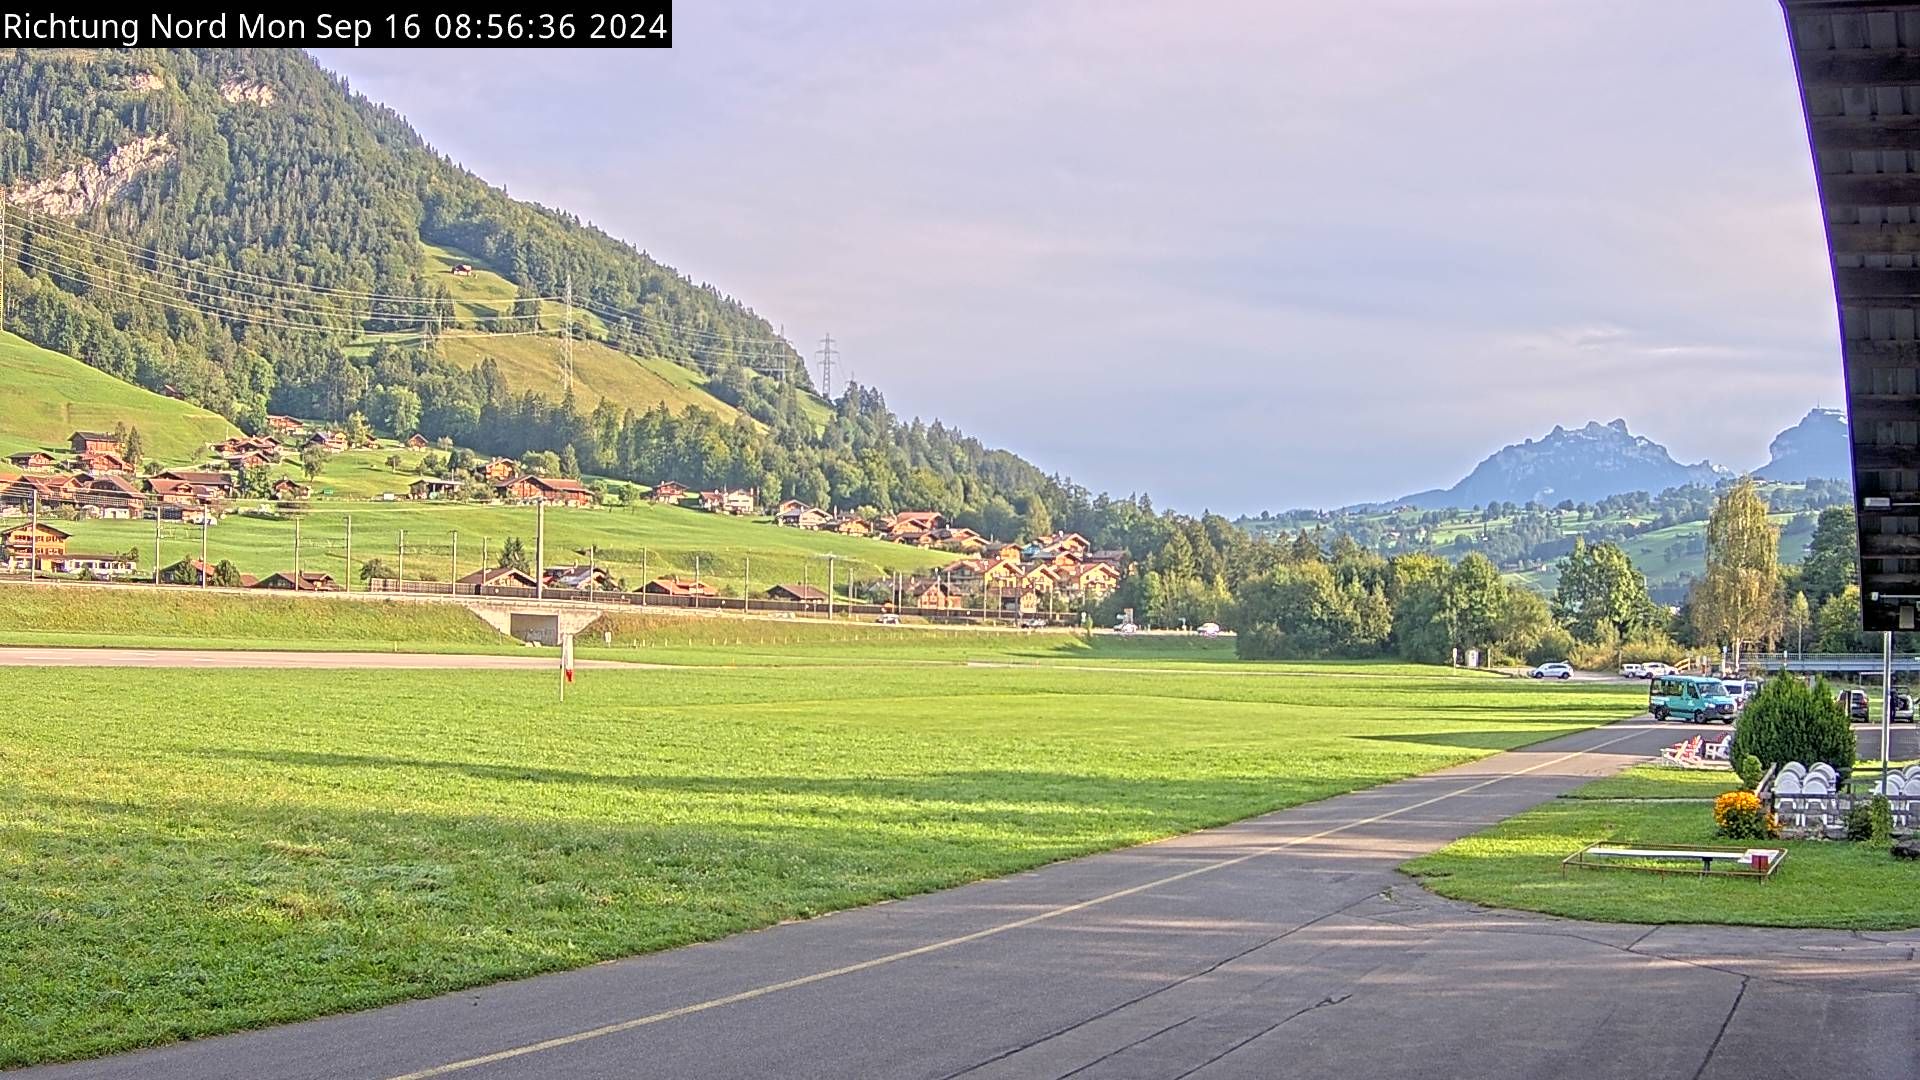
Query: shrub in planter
x=1789, y=720
x=1739, y=815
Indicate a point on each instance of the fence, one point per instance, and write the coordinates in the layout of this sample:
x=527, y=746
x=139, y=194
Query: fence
x=755, y=605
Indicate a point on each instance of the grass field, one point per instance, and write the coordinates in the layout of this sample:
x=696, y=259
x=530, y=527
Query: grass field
x=1516, y=864
x=249, y=847
x=51, y=395
x=636, y=543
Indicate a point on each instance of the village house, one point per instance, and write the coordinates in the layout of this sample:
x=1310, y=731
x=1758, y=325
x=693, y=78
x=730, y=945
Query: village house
x=206, y=483
x=246, y=459
x=933, y=594
x=89, y=442
x=330, y=441
x=797, y=515
x=416, y=441
x=291, y=491
x=673, y=586
x=97, y=461
x=428, y=487
x=284, y=424
x=1094, y=580
x=27, y=490
x=33, y=546
x=33, y=460
x=460, y=270
x=736, y=501
x=965, y=541
x=553, y=490
x=109, y=495
x=499, y=470
x=979, y=573
x=913, y=522
x=799, y=594
x=498, y=577
x=304, y=581
x=102, y=566
x=262, y=445
x=850, y=525
x=667, y=491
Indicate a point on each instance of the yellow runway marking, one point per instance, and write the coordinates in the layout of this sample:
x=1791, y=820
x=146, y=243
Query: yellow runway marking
x=991, y=931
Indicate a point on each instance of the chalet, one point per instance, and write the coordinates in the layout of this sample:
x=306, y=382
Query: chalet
x=34, y=460
x=428, y=487
x=667, y=491
x=499, y=577
x=673, y=586
x=205, y=483
x=291, y=491
x=171, y=492
x=1113, y=557
x=787, y=505
x=286, y=424
x=33, y=546
x=927, y=593
x=1019, y=600
x=581, y=576
x=983, y=572
x=263, y=445
x=191, y=571
x=965, y=541
x=736, y=501
x=109, y=495
x=849, y=525
x=416, y=441
x=801, y=516
x=1094, y=580
x=499, y=470
x=461, y=270
x=85, y=442
x=27, y=490
x=330, y=441
x=245, y=459
x=97, y=461
x=1065, y=541
x=304, y=581
x=549, y=489
x=799, y=594
x=914, y=521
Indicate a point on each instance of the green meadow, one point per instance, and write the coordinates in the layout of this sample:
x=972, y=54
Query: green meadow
x=51, y=395
x=251, y=847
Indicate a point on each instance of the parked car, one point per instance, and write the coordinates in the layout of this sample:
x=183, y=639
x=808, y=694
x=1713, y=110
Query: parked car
x=1902, y=708
x=1125, y=628
x=1209, y=629
x=1696, y=699
x=1655, y=669
x=1855, y=702
x=1558, y=669
x=1633, y=671
x=1033, y=624
x=888, y=620
x=1740, y=690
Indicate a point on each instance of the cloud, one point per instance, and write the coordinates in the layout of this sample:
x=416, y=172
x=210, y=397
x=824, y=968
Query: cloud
x=1255, y=255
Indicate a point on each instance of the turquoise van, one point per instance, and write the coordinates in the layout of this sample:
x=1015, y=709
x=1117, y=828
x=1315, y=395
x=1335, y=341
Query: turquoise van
x=1697, y=699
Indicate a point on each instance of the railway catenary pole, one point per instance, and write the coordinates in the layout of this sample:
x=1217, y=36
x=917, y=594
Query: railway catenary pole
x=540, y=548
x=350, y=554
x=33, y=531
x=204, y=514
x=1886, y=705
x=156, y=544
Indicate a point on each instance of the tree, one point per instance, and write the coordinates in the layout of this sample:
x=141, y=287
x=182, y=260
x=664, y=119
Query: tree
x=1837, y=626
x=359, y=432
x=134, y=448
x=226, y=575
x=513, y=554
x=1832, y=561
x=397, y=409
x=1788, y=720
x=1473, y=599
x=1737, y=600
x=1799, y=620
x=1599, y=586
x=313, y=458
x=375, y=568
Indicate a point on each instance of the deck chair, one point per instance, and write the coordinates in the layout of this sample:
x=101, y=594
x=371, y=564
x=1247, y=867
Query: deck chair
x=1720, y=749
x=1684, y=752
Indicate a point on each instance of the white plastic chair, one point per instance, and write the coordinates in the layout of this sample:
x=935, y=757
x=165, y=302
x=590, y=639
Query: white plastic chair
x=1786, y=796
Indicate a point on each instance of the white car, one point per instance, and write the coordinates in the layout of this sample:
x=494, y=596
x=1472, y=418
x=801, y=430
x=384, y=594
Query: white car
x=1654, y=669
x=1125, y=628
x=888, y=620
x=1209, y=629
x=1633, y=671
x=1558, y=669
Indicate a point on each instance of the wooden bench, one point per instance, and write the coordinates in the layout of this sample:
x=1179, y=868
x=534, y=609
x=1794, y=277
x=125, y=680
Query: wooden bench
x=1759, y=862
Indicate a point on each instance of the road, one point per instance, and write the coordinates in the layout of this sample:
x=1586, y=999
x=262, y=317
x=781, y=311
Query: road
x=1284, y=945
x=22, y=656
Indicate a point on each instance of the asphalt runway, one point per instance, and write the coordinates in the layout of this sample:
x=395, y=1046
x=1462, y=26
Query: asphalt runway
x=1284, y=945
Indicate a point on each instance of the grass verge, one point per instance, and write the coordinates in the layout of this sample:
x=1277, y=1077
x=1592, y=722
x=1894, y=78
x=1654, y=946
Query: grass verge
x=1516, y=864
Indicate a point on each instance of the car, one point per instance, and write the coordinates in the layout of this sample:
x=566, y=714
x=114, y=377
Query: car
x=1125, y=628
x=1033, y=624
x=1655, y=669
x=1558, y=669
x=1902, y=708
x=888, y=620
x=1209, y=629
x=1696, y=699
x=1855, y=702
x=1740, y=690
x=1633, y=671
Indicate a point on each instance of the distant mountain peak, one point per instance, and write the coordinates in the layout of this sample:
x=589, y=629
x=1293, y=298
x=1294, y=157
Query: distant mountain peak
x=1585, y=464
x=1815, y=448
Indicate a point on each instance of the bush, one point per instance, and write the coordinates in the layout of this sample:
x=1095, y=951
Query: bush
x=1738, y=815
x=1880, y=822
x=1750, y=771
x=1554, y=644
x=1860, y=822
x=1791, y=721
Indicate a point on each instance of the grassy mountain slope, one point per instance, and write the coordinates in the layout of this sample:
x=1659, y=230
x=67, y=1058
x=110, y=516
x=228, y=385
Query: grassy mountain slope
x=49, y=396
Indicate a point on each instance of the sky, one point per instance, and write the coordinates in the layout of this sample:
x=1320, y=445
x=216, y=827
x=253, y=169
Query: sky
x=1240, y=256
